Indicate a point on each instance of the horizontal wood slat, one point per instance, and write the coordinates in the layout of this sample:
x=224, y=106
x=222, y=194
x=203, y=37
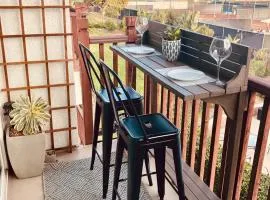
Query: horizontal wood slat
x=226, y=64
x=108, y=39
x=36, y=35
x=203, y=47
x=193, y=61
x=62, y=107
x=36, y=87
x=259, y=85
x=237, y=49
x=9, y=64
x=34, y=7
x=60, y=130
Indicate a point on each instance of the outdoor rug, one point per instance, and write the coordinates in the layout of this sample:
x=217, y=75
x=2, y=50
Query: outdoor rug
x=74, y=180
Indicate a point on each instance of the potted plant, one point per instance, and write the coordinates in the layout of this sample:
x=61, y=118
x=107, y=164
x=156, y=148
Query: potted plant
x=171, y=43
x=25, y=139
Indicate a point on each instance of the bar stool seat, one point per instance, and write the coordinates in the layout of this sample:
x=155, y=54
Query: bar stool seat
x=134, y=95
x=156, y=124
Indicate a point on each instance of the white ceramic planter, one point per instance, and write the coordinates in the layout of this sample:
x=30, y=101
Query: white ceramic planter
x=171, y=49
x=26, y=154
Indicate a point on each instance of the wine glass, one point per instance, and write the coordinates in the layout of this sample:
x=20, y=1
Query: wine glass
x=220, y=50
x=141, y=27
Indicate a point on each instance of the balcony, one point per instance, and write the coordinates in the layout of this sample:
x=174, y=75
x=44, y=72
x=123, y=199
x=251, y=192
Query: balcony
x=204, y=150
x=205, y=130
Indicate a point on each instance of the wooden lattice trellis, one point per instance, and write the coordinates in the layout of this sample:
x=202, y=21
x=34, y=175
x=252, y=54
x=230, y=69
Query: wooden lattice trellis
x=43, y=53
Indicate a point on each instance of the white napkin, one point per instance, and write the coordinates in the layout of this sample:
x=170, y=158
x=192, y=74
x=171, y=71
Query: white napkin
x=164, y=72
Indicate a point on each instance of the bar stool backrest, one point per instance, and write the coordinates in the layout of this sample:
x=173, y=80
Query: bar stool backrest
x=93, y=69
x=115, y=97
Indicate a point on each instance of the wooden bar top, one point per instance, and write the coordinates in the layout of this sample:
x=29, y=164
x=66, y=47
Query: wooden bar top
x=149, y=65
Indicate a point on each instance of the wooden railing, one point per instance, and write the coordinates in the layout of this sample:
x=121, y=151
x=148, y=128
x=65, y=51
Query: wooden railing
x=256, y=86
x=202, y=124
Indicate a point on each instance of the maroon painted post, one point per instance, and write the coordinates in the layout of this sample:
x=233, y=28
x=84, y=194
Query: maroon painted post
x=248, y=116
x=132, y=37
x=234, y=135
x=84, y=111
x=131, y=30
x=214, y=146
x=260, y=151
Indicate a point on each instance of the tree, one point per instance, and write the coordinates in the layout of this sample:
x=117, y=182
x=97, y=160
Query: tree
x=94, y=2
x=190, y=21
x=260, y=64
x=112, y=8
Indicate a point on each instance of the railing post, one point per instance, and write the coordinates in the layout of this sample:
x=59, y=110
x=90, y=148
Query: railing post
x=203, y=139
x=232, y=153
x=132, y=37
x=184, y=128
x=193, y=133
x=260, y=151
x=131, y=30
x=84, y=111
x=214, y=146
x=244, y=144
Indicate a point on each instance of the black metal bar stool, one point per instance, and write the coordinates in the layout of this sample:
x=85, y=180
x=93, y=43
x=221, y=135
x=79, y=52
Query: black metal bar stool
x=104, y=109
x=138, y=134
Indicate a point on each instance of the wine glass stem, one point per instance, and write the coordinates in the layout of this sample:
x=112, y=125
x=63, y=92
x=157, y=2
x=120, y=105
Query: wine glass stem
x=141, y=40
x=218, y=69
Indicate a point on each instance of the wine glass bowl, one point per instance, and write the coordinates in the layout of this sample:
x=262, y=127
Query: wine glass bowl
x=141, y=24
x=220, y=49
x=141, y=27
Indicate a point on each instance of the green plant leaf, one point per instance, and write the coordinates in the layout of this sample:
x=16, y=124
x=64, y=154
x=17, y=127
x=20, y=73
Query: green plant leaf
x=29, y=116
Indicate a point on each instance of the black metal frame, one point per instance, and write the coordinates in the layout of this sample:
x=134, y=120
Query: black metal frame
x=136, y=149
x=93, y=69
x=87, y=57
x=127, y=105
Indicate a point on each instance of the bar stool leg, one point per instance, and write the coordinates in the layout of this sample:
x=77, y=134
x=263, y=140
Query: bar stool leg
x=139, y=108
x=107, y=127
x=160, y=154
x=135, y=164
x=95, y=138
x=178, y=169
x=118, y=164
x=147, y=166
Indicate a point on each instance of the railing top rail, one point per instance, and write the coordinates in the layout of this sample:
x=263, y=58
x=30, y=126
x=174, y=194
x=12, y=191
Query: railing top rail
x=260, y=85
x=108, y=39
